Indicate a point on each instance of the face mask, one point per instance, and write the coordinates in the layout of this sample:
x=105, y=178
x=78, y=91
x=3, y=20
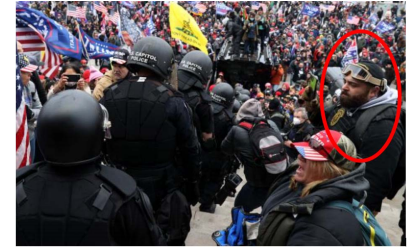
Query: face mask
x=296, y=121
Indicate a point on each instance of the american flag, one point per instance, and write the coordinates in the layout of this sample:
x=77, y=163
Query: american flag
x=77, y=12
x=36, y=42
x=353, y=20
x=115, y=18
x=100, y=7
x=29, y=39
x=22, y=137
x=52, y=61
x=310, y=154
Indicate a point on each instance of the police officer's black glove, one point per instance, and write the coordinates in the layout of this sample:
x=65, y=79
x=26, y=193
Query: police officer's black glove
x=30, y=113
x=209, y=145
x=192, y=192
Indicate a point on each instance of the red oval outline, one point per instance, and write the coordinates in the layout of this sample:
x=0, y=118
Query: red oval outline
x=321, y=96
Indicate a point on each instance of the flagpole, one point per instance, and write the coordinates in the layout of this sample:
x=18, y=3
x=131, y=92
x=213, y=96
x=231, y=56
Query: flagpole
x=80, y=37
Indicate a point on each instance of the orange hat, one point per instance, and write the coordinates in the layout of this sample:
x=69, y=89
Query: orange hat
x=260, y=96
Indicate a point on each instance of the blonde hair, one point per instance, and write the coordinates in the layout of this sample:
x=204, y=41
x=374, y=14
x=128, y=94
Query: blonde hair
x=321, y=171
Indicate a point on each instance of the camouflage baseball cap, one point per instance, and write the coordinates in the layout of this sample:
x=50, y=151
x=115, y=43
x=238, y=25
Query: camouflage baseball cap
x=320, y=148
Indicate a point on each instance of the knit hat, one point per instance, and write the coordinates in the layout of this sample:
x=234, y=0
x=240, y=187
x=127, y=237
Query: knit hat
x=274, y=103
x=251, y=108
x=260, y=96
x=94, y=74
x=86, y=75
x=320, y=148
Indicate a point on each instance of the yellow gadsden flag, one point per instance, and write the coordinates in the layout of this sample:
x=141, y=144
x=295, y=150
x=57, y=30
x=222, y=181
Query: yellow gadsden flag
x=184, y=27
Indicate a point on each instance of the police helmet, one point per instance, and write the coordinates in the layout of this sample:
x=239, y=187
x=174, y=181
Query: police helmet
x=244, y=98
x=245, y=92
x=223, y=94
x=152, y=53
x=197, y=63
x=70, y=129
x=236, y=106
x=238, y=89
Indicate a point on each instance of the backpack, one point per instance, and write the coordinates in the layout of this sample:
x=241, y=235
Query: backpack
x=373, y=233
x=241, y=232
x=398, y=179
x=267, y=145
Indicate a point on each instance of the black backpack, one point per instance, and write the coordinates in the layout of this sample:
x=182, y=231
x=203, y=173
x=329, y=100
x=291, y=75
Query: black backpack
x=267, y=144
x=398, y=179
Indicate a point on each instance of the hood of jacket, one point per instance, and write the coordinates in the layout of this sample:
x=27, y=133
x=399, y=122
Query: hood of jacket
x=343, y=187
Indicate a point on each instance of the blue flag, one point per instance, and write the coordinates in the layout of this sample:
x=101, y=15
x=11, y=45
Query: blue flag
x=222, y=9
x=97, y=49
x=23, y=4
x=373, y=18
x=384, y=27
x=310, y=10
x=128, y=4
x=57, y=38
x=150, y=28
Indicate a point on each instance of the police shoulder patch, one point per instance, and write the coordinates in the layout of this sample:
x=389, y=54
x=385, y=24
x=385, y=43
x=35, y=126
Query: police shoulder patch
x=338, y=115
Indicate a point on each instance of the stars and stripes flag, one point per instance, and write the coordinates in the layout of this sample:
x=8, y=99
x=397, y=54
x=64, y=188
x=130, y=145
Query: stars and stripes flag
x=115, y=18
x=351, y=55
x=37, y=43
x=52, y=61
x=77, y=12
x=100, y=7
x=22, y=136
x=353, y=20
x=29, y=39
x=310, y=154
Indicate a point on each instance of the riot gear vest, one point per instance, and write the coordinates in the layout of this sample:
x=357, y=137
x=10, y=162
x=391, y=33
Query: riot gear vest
x=70, y=206
x=195, y=97
x=223, y=120
x=142, y=133
x=341, y=120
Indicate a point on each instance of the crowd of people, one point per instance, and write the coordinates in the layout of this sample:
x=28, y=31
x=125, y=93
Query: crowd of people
x=123, y=148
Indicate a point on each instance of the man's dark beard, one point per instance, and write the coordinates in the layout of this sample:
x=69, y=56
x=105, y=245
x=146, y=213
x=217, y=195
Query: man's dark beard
x=353, y=102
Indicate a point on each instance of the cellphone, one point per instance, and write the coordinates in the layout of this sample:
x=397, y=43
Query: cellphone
x=73, y=77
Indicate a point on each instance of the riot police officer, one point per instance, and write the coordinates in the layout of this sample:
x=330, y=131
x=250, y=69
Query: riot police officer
x=70, y=198
x=150, y=120
x=215, y=165
x=194, y=73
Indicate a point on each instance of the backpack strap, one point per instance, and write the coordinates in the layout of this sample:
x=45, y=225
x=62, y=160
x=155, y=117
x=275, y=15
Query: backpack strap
x=365, y=119
x=120, y=180
x=246, y=125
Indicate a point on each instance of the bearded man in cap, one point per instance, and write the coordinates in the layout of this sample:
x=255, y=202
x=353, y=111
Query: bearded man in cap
x=366, y=114
x=119, y=72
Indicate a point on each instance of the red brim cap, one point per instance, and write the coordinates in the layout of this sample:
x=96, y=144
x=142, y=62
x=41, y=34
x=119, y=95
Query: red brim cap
x=308, y=153
x=29, y=68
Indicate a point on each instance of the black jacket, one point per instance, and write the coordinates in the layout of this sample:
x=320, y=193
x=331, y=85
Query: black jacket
x=380, y=171
x=237, y=142
x=318, y=225
x=298, y=133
